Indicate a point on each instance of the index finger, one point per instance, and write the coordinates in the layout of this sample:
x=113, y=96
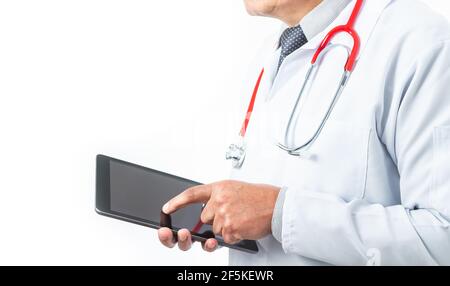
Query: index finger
x=197, y=194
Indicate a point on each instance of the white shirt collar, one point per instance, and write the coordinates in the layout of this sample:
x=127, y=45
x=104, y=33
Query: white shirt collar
x=322, y=16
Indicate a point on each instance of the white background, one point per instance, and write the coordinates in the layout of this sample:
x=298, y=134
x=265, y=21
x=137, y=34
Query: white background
x=152, y=82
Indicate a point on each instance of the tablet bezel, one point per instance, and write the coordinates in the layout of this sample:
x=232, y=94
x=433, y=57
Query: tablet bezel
x=103, y=201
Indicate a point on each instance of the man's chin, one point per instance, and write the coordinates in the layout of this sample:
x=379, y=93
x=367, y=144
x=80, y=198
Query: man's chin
x=261, y=7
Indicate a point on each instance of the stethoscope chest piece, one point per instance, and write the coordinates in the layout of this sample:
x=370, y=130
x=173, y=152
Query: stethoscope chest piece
x=236, y=153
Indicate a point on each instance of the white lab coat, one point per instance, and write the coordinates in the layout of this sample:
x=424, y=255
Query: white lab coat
x=377, y=180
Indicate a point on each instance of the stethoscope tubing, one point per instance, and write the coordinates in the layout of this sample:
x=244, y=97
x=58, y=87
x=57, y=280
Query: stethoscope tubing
x=323, y=49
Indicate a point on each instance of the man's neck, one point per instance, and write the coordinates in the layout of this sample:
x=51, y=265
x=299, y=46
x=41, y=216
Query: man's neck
x=293, y=14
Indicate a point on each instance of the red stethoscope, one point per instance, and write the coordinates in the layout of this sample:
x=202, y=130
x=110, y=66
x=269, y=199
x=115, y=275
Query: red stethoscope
x=236, y=152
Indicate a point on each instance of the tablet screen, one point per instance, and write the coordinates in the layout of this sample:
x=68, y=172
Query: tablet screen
x=136, y=194
x=141, y=193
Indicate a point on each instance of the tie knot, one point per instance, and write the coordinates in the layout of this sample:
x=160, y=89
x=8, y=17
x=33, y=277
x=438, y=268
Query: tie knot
x=292, y=39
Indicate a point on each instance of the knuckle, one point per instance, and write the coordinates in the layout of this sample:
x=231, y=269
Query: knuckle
x=222, y=197
x=228, y=239
x=229, y=228
x=222, y=212
x=228, y=217
x=226, y=183
x=223, y=185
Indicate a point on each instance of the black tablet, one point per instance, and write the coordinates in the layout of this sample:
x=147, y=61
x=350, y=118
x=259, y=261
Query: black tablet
x=136, y=194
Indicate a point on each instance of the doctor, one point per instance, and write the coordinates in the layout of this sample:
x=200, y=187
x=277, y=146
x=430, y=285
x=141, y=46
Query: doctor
x=374, y=184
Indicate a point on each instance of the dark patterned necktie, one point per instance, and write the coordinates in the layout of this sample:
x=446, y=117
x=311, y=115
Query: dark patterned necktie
x=292, y=39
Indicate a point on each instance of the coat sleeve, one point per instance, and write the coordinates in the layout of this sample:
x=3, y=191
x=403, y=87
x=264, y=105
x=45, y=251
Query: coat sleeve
x=327, y=228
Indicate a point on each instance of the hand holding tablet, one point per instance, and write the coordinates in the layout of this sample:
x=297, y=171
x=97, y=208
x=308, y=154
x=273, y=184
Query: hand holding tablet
x=136, y=194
